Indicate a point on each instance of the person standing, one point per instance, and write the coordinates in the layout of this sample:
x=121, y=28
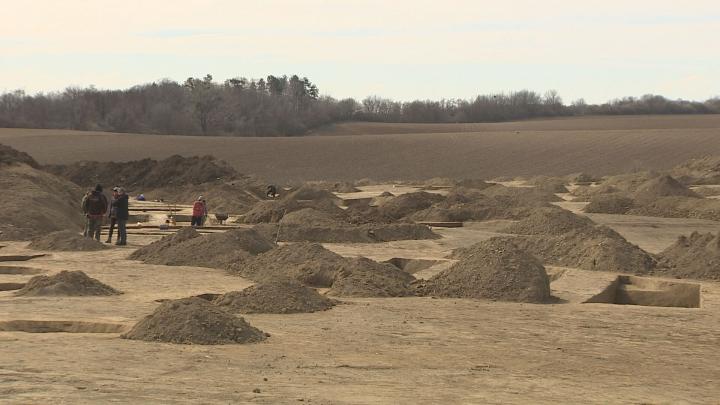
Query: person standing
x=95, y=206
x=122, y=214
x=113, y=214
x=199, y=211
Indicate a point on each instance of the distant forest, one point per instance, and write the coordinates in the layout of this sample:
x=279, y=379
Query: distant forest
x=282, y=105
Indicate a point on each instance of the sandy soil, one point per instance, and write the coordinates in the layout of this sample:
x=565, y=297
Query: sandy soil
x=404, y=350
x=600, y=146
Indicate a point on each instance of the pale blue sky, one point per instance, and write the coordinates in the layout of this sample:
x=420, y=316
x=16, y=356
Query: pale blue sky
x=404, y=50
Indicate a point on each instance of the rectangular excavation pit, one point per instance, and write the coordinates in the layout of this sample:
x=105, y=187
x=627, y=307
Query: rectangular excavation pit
x=632, y=290
x=412, y=266
x=11, y=286
x=19, y=258
x=19, y=270
x=60, y=326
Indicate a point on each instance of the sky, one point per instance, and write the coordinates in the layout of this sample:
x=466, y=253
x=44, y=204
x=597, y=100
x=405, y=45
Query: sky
x=400, y=49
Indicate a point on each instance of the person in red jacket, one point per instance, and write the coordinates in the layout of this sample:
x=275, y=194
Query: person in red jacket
x=199, y=211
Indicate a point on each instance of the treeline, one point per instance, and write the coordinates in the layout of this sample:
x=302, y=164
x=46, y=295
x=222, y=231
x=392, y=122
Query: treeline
x=282, y=105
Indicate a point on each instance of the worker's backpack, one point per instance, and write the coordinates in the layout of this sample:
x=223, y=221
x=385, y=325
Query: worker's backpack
x=96, y=204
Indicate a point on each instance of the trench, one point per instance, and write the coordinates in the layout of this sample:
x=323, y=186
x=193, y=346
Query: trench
x=59, y=326
x=632, y=290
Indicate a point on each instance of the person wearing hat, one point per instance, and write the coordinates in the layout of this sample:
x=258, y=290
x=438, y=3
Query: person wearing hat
x=95, y=206
x=122, y=214
x=199, y=211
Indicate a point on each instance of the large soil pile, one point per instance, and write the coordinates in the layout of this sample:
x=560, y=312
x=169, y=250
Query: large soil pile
x=496, y=202
x=549, y=221
x=34, y=202
x=10, y=156
x=275, y=297
x=611, y=203
x=623, y=183
x=217, y=250
x=66, y=241
x=705, y=170
x=194, y=321
x=141, y=175
x=680, y=207
x=493, y=269
x=662, y=186
x=345, y=233
x=551, y=184
x=66, y=283
x=304, y=197
x=696, y=256
x=598, y=248
x=362, y=277
x=309, y=263
x=406, y=204
x=227, y=197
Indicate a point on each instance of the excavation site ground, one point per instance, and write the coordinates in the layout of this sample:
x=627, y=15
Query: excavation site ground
x=557, y=287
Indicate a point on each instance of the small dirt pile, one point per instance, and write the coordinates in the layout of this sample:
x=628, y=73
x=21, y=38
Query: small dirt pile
x=36, y=203
x=549, y=221
x=309, y=263
x=345, y=233
x=305, y=197
x=194, y=321
x=10, y=156
x=521, y=196
x=662, y=186
x=215, y=250
x=66, y=241
x=275, y=297
x=66, y=283
x=623, y=183
x=612, y=203
x=493, y=269
x=476, y=184
x=146, y=174
x=362, y=277
x=696, y=257
x=406, y=204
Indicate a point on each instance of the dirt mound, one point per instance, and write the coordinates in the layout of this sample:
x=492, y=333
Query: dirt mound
x=362, y=277
x=215, y=250
x=493, y=269
x=36, y=203
x=598, y=248
x=549, y=221
x=275, y=297
x=66, y=283
x=194, y=321
x=66, y=241
x=233, y=197
x=146, y=174
x=521, y=196
x=274, y=211
x=707, y=191
x=680, y=207
x=696, y=256
x=476, y=184
x=551, y=184
x=662, y=186
x=153, y=252
x=623, y=183
x=705, y=170
x=345, y=233
x=10, y=156
x=305, y=193
x=613, y=203
x=312, y=217
x=407, y=204
x=309, y=263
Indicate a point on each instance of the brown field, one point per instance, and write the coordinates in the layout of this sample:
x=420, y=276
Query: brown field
x=597, y=145
x=366, y=351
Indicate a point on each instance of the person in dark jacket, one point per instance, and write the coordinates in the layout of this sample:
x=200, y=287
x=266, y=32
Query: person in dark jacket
x=113, y=214
x=95, y=206
x=122, y=213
